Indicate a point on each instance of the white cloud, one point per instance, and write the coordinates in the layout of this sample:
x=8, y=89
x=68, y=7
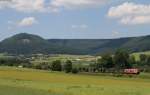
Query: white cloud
x=131, y=13
x=28, y=21
x=49, y=5
x=4, y=4
x=70, y=4
x=25, y=5
x=29, y=5
x=136, y=20
x=25, y=22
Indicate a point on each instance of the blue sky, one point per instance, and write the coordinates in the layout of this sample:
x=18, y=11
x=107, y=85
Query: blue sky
x=70, y=19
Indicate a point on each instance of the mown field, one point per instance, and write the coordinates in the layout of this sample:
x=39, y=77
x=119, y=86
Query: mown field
x=18, y=81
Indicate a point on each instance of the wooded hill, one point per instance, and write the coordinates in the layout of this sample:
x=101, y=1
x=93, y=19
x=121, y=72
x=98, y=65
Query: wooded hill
x=28, y=44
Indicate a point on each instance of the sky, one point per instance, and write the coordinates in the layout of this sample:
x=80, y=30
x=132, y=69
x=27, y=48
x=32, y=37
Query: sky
x=75, y=19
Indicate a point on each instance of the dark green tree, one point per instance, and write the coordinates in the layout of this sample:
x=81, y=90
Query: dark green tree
x=98, y=65
x=148, y=61
x=107, y=61
x=56, y=65
x=143, y=57
x=121, y=59
x=68, y=66
x=132, y=60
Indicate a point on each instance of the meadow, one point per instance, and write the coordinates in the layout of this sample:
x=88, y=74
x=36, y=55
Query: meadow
x=137, y=55
x=20, y=81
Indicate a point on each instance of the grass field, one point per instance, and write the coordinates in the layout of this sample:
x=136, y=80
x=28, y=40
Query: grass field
x=17, y=81
x=137, y=55
x=77, y=60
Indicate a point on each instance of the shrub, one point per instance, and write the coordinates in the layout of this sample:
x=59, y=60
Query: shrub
x=75, y=71
x=56, y=65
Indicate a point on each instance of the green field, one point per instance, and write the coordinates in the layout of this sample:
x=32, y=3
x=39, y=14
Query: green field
x=77, y=60
x=137, y=55
x=18, y=81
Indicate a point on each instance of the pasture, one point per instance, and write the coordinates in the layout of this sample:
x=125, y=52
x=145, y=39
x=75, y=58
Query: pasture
x=19, y=81
x=137, y=55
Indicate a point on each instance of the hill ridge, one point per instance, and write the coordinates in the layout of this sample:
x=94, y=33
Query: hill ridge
x=25, y=43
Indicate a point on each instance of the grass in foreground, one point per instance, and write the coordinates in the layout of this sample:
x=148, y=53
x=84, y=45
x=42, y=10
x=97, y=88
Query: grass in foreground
x=14, y=81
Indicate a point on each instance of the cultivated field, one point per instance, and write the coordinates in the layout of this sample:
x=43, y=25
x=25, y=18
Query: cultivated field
x=18, y=81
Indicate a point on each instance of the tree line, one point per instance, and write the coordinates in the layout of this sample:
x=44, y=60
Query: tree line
x=121, y=60
x=108, y=63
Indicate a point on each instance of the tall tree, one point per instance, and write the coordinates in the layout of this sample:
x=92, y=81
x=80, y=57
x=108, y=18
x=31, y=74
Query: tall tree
x=121, y=59
x=107, y=61
x=143, y=57
x=132, y=60
x=56, y=65
x=68, y=66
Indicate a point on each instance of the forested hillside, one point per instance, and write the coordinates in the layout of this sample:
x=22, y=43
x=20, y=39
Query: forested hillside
x=28, y=44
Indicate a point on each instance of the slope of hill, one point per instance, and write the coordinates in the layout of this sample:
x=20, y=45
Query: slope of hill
x=23, y=43
x=27, y=44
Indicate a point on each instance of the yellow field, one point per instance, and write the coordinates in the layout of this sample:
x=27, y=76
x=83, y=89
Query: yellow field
x=54, y=83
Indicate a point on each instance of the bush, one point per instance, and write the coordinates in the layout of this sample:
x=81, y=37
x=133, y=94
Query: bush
x=13, y=61
x=43, y=66
x=56, y=65
x=75, y=71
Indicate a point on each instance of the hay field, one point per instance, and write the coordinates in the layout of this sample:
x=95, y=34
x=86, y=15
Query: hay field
x=19, y=81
